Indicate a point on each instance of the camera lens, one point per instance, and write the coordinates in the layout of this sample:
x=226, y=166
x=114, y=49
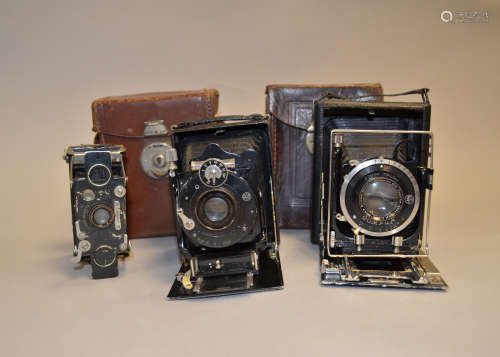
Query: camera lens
x=216, y=209
x=381, y=198
x=101, y=216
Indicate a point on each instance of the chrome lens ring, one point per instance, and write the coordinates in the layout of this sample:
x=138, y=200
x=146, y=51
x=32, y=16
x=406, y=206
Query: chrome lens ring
x=99, y=175
x=404, y=208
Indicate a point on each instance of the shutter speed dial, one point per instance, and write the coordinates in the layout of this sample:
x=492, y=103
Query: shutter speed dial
x=213, y=173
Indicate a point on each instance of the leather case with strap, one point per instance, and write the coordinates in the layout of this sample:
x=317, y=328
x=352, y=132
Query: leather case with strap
x=291, y=107
x=142, y=122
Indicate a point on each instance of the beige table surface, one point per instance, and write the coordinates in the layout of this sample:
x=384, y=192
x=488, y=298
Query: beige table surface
x=57, y=56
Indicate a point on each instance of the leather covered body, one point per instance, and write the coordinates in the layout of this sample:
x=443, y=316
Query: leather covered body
x=291, y=109
x=121, y=120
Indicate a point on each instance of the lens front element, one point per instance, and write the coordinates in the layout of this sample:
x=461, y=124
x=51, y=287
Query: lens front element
x=216, y=209
x=101, y=216
x=381, y=198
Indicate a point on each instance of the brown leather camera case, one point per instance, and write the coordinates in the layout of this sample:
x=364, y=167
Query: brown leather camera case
x=137, y=121
x=291, y=107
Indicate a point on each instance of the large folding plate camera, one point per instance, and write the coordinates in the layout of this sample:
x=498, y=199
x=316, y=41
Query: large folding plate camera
x=373, y=181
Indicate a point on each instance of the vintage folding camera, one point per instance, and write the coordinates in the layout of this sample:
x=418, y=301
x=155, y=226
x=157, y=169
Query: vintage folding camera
x=225, y=206
x=98, y=202
x=373, y=182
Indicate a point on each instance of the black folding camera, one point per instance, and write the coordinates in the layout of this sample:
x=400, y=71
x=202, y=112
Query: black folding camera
x=225, y=207
x=98, y=181
x=373, y=182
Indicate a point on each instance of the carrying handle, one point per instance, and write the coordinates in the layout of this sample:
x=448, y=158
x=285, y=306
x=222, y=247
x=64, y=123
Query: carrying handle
x=424, y=92
x=220, y=119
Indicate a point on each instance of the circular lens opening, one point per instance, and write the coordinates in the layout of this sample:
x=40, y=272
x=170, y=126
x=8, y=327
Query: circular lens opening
x=381, y=198
x=99, y=175
x=216, y=209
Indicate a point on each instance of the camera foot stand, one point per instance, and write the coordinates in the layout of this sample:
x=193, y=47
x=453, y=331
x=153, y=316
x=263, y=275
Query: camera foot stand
x=395, y=272
x=268, y=277
x=103, y=272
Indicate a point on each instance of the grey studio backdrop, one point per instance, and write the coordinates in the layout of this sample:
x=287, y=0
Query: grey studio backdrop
x=57, y=56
